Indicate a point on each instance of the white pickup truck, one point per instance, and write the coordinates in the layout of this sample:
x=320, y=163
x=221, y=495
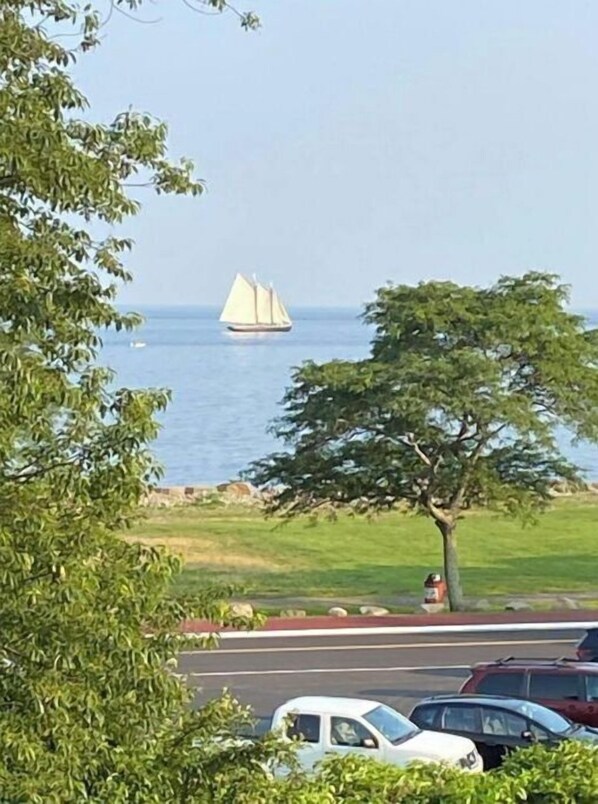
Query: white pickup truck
x=329, y=725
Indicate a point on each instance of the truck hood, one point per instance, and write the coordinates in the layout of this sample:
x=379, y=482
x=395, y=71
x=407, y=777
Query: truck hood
x=435, y=745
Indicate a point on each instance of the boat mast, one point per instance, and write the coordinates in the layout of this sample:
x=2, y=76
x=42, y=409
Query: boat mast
x=271, y=304
x=257, y=320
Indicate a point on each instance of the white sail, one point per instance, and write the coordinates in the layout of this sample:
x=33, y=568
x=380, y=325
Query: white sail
x=240, y=306
x=280, y=315
x=251, y=305
x=263, y=304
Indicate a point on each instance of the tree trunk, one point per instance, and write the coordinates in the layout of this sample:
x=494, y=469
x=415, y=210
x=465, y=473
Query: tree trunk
x=451, y=565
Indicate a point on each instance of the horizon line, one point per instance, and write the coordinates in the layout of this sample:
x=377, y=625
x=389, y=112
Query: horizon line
x=218, y=305
x=357, y=305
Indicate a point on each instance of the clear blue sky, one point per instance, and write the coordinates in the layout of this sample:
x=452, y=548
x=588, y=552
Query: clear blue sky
x=350, y=143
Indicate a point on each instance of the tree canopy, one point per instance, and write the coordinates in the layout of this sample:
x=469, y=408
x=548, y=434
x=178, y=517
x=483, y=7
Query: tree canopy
x=459, y=404
x=90, y=709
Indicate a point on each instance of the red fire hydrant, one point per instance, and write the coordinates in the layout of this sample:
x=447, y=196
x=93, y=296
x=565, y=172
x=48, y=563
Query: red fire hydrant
x=434, y=588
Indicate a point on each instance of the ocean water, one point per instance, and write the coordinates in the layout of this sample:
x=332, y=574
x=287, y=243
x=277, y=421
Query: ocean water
x=226, y=387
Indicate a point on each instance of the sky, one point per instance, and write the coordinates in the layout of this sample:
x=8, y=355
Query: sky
x=346, y=144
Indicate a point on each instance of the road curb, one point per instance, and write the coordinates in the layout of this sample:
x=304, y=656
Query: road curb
x=404, y=624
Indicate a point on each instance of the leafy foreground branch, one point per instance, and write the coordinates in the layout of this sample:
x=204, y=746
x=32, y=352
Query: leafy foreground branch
x=90, y=709
x=538, y=775
x=457, y=406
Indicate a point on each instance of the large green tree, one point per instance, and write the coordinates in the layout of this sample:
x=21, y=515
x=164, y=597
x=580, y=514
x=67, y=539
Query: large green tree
x=90, y=709
x=458, y=405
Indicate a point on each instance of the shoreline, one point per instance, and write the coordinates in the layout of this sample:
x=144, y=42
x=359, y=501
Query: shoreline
x=241, y=492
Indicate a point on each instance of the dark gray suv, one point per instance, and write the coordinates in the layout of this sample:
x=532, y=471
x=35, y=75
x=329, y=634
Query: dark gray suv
x=497, y=725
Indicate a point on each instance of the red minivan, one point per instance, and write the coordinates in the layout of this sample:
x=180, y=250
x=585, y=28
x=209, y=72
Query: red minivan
x=565, y=685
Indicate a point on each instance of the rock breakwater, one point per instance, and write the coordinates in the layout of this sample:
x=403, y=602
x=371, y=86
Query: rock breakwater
x=238, y=492
x=234, y=493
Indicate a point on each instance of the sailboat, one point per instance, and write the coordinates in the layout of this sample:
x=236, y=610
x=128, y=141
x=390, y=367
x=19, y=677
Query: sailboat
x=251, y=307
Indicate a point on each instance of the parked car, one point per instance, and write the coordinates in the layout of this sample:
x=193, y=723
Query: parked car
x=587, y=647
x=345, y=726
x=565, y=685
x=496, y=724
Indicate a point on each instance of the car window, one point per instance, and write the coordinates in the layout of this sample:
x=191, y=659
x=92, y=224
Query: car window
x=500, y=723
x=460, y=718
x=554, y=686
x=592, y=687
x=424, y=716
x=346, y=731
x=544, y=717
x=304, y=727
x=392, y=725
x=501, y=684
x=538, y=732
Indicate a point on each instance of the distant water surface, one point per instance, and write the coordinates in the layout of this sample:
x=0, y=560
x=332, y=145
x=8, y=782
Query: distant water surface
x=226, y=387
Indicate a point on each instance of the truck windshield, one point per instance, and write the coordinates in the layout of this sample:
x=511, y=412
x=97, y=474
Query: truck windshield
x=390, y=724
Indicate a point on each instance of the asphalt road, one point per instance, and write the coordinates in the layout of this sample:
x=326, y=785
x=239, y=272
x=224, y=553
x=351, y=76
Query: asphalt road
x=399, y=670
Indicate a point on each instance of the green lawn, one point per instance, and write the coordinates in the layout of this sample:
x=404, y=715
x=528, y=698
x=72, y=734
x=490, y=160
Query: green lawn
x=380, y=559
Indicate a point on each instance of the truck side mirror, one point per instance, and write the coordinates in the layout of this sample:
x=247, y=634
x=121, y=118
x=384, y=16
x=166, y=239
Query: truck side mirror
x=369, y=742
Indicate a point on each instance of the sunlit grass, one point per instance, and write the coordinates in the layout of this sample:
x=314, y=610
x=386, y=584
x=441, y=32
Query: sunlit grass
x=385, y=557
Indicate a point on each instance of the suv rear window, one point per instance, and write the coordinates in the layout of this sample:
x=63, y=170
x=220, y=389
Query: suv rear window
x=554, y=686
x=424, y=716
x=460, y=718
x=501, y=683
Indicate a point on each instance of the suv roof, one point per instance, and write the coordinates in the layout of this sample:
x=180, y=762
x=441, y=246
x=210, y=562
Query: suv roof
x=471, y=696
x=563, y=663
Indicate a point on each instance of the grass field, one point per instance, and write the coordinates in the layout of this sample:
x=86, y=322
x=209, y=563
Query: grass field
x=382, y=559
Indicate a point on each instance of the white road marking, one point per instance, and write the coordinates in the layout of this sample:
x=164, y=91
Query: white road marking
x=394, y=646
x=420, y=630
x=313, y=670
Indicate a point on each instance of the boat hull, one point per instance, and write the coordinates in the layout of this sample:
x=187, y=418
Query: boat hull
x=259, y=327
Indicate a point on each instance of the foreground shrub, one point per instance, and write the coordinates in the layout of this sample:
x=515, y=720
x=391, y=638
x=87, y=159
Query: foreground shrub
x=567, y=774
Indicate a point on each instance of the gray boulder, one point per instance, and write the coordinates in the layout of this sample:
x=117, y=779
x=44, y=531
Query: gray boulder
x=237, y=488
x=241, y=609
x=337, y=611
x=373, y=611
x=432, y=608
x=293, y=613
x=518, y=605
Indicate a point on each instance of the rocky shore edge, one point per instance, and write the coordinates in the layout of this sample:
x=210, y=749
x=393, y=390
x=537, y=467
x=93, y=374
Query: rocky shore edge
x=238, y=492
